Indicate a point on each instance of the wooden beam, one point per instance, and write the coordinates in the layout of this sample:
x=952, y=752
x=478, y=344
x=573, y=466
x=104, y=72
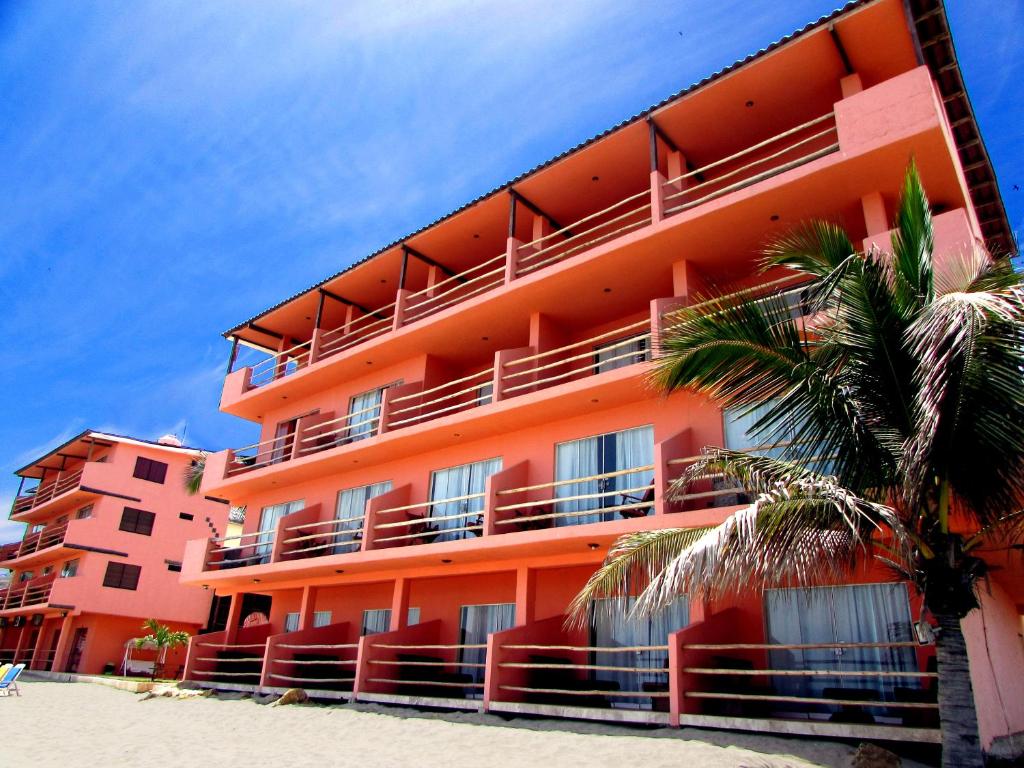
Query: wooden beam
x=264, y=331
x=232, y=357
x=427, y=260
x=840, y=48
x=535, y=209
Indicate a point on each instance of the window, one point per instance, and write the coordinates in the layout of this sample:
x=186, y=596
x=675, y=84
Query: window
x=268, y=524
x=137, y=521
x=186, y=516
x=47, y=570
x=25, y=576
x=173, y=566
x=364, y=415
x=349, y=512
x=612, y=627
x=84, y=513
x=122, y=576
x=284, y=441
x=623, y=495
x=872, y=614
x=378, y=620
x=619, y=354
x=456, y=482
x=320, y=619
x=147, y=469
x=476, y=623
x=69, y=569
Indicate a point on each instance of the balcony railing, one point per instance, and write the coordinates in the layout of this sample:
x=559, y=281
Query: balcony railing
x=758, y=162
x=782, y=152
x=34, y=592
x=421, y=526
x=321, y=658
x=44, y=493
x=50, y=536
x=257, y=548
x=212, y=659
x=428, y=669
x=323, y=537
x=450, y=397
x=634, y=500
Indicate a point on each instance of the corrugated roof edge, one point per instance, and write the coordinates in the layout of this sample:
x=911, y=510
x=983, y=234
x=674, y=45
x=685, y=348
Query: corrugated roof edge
x=807, y=28
x=850, y=6
x=112, y=436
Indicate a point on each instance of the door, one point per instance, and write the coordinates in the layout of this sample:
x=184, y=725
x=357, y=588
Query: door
x=77, y=649
x=476, y=622
x=268, y=525
x=284, y=441
x=51, y=657
x=611, y=453
x=350, y=513
x=457, y=483
x=364, y=415
x=639, y=670
x=864, y=613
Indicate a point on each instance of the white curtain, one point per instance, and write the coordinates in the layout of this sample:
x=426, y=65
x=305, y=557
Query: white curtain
x=455, y=482
x=378, y=620
x=476, y=623
x=320, y=619
x=628, y=351
x=597, y=455
x=865, y=613
x=350, y=508
x=612, y=628
x=268, y=524
x=363, y=411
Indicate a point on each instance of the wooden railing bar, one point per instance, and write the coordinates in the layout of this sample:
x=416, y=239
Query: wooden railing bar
x=428, y=533
x=583, y=369
x=473, y=403
x=403, y=508
x=806, y=672
x=434, y=287
x=624, y=329
x=588, y=355
x=488, y=373
x=580, y=497
x=631, y=198
x=430, y=391
x=419, y=520
x=588, y=648
x=572, y=692
x=585, y=244
x=414, y=315
x=430, y=683
x=588, y=478
x=809, y=700
x=429, y=647
x=792, y=647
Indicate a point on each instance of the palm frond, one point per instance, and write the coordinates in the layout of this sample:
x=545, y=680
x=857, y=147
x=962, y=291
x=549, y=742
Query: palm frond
x=630, y=565
x=194, y=475
x=912, y=245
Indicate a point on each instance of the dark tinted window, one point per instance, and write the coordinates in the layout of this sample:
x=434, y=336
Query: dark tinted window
x=122, y=576
x=147, y=469
x=137, y=521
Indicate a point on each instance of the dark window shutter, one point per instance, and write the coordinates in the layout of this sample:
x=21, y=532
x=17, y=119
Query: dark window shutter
x=137, y=521
x=122, y=576
x=147, y=469
x=112, y=578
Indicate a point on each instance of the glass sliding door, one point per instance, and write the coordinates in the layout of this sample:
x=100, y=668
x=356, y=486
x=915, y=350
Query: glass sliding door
x=865, y=613
x=350, y=512
x=625, y=494
x=364, y=415
x=268, y=525
x=476, y=623
x=377, y=620
x=284, y=441
x=619, y=354
x=456, y=483
x=643, y=671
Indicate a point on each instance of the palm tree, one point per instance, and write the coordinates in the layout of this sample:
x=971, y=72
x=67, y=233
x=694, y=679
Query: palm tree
x=909, y=381
x=194, y=475
x=163, y=638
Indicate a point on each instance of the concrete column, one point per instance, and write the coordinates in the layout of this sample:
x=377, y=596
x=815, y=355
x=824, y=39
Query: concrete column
x=875, y=220
x=307, y=607
x=36, y=660
x=60, y=653
x=657, y=196
x=511, y=259
x=400, y=605
x=526, y=593
x=850, y=85
x=234, y=618
x=22, y=636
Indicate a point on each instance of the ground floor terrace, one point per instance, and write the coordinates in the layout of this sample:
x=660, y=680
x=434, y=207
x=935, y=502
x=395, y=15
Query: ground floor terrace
x=85, y=643
x=842, y=661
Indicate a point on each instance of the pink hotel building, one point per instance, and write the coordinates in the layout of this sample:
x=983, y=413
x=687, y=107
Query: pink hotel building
x=455, y=428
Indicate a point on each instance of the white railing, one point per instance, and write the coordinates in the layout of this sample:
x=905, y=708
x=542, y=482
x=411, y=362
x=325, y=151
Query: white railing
x=261, y=454
x=364, y=328
x=355, y=425
x=282, y=364
x=414, y=408
x=259, y=549
x=637, y=500
x=549, y=368
x=587, y=232
x=728, y=179
x=455, y=289
x=425, y=527
x=325, y=537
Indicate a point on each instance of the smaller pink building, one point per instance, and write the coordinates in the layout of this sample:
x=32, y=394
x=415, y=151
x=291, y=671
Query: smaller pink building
x=107, y=519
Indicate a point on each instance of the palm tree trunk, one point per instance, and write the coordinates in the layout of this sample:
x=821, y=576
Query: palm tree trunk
x=961, y=746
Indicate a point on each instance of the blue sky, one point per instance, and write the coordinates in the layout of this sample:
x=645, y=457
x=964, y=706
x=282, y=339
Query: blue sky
x=160, y=161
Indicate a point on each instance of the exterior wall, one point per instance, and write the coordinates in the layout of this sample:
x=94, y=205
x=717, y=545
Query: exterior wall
x=106, y=638
x=996, y=649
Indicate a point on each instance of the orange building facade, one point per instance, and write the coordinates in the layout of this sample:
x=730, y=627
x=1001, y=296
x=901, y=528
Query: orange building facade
x=107, y=521
x=456, y=428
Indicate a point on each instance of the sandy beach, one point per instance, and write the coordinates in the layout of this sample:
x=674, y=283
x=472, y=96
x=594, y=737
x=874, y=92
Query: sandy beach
x=61, y=724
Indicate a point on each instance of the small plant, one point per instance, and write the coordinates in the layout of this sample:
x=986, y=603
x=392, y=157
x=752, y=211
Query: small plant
x=163, y=638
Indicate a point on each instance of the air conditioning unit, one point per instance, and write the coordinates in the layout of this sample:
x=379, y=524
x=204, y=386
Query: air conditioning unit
x=19, y=621
x=37, y=619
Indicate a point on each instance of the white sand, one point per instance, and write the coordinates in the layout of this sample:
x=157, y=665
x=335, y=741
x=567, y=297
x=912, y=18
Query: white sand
x=69, y=724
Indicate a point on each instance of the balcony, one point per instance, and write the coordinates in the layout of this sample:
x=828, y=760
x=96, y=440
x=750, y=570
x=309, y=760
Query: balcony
x=678, y=192
x=45, y=493
x=43, y=543
x=32, y=593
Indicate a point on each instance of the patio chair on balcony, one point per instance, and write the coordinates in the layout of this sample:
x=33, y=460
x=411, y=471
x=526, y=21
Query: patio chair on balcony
x=427, y=531
x=644, y=502
x=533, y=525
x=9, y=682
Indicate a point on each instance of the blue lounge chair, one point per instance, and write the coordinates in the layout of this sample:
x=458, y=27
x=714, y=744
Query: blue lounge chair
x=9, y=682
